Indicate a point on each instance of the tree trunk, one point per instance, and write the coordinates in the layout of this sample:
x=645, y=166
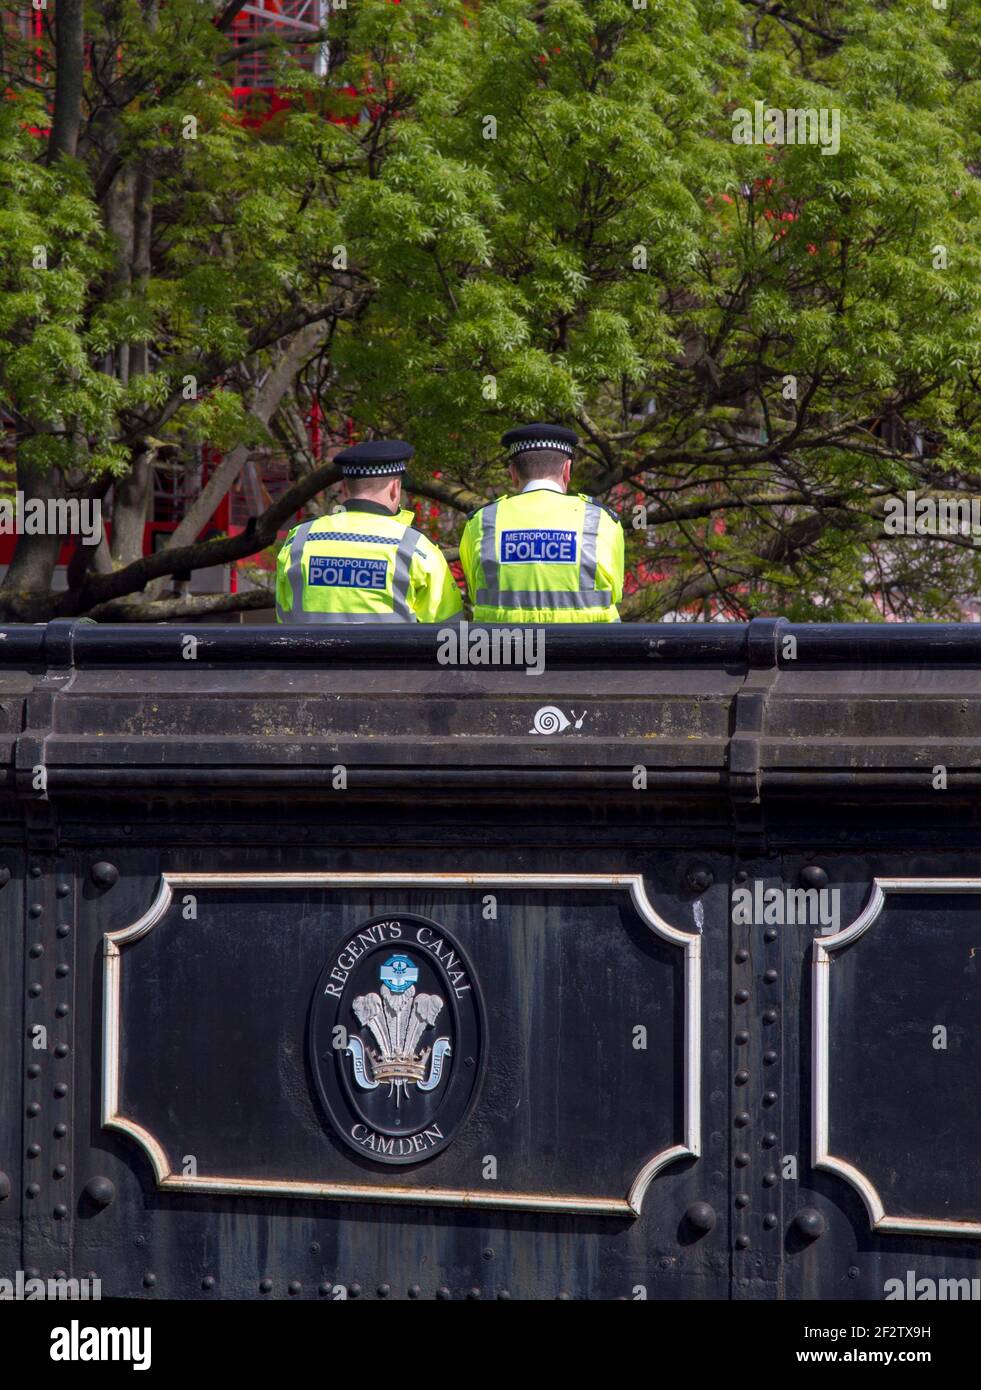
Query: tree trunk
x=132, y=223
x=25, y=591
x=69, y=77
x=130, y=508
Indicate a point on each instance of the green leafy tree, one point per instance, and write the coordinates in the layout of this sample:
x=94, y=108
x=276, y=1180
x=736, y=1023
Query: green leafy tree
x=515, y=211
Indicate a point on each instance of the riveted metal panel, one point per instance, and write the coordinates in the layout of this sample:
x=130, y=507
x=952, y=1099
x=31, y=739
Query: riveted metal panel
x=673, y=1101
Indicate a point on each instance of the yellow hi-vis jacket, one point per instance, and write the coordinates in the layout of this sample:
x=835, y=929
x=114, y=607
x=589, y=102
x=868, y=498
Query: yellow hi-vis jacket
x=544, y=557
x=364, y=565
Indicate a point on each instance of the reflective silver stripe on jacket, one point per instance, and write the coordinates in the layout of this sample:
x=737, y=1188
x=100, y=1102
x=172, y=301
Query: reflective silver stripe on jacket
x=401, y=612
x=587, y=595
x=294, y=576
x=400, y=580
x=543, y=598
x=308, y=618
x=590, y=533
x=488, y=547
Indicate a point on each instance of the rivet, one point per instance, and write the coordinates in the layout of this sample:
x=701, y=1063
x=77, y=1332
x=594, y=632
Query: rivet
x=503, y=1294
x=474, y=1294
x=60, y=1274
x=384, y=1290
x=61, y=971
x=768, y=1057
x=62, y=930
x=442, y=1292
x=100, y=1191
x=742, y=1077
x=324, y=1290
x=60, y=1211
x=34, y=1070
x=414, y=1291
x=33, y=1109
x=741, y=875
x=741, y=1160
x=62, y=890
x=769, y=1015
x=315, y=1247
x=769, y=1179
x=768, y=1141
x=60, y=1170
x=35, y=871
x=813, y=876
x=742, y=1039
x=810, y=1223
x=741, y=1119
x=33, y=1150
x=34, y=910
x=742, y=1200
x=104, y=874
x=487, y=1254
x=36, y=950
x=699, y=877
x=4, y=877
x=742, y=1242
x=354, y=1290
x=294, y=1287
x=769, y=976
x=61, y=1050
x=769, y=1221
x=740, y=956
x=853, y=1271
x=208, y=1282
x=769, y=1097
x=265, y=1285
x=34, y=991
x=60, y=1090
x=33, y=1190
x=61, y=1010
x=60, y=1131
x=33, y=1273
x=700, y=1215
x=742, y=995
x=770, y=934
x=149, y=1279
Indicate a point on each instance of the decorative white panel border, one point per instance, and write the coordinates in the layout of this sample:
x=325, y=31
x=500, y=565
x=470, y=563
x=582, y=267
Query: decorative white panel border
x=824, y=947
x=628, y=1205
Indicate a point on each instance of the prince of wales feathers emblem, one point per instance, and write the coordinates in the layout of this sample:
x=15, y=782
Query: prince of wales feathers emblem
x=398, y=1017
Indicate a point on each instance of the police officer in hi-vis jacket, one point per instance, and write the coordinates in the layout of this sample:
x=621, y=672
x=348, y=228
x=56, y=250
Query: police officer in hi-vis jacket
x=543, y=556
x=367, y=563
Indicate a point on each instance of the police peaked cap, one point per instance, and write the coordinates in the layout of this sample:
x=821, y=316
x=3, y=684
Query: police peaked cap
x=376, y=458
x=540, y=436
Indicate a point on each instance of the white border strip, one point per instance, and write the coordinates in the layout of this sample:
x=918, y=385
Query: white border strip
x=167, y=1179
x=821, y=1058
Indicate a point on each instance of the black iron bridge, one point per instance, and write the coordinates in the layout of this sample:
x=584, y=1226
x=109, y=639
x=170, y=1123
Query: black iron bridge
x=330, y=970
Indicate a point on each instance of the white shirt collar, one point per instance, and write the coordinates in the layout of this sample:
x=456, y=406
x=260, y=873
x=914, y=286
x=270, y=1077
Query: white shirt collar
x=538, y=483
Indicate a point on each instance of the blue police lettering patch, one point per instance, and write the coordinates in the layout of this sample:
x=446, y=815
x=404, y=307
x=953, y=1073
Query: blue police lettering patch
x=344, y=572
x=551, y=547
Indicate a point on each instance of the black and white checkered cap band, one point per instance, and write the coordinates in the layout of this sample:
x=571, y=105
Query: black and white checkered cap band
x=372, y=470
x=522, y=446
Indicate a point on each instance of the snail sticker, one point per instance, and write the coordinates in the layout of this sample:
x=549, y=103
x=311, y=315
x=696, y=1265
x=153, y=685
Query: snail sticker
x=550, y=720
x=397, y=1035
